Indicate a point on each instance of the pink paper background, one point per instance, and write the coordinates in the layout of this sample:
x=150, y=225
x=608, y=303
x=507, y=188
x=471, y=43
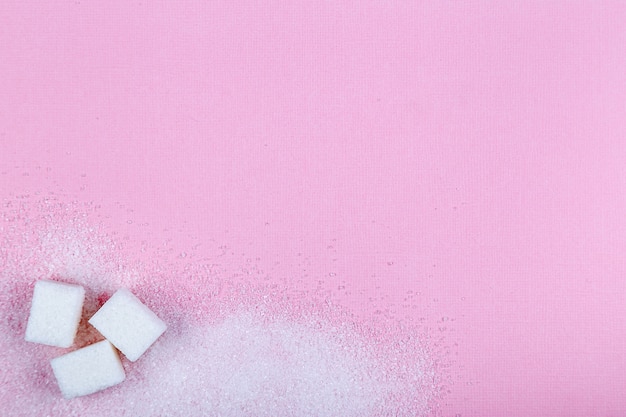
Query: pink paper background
x=470, y=152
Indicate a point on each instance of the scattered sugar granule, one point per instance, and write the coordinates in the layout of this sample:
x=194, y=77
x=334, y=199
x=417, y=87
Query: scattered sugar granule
x=229, y=351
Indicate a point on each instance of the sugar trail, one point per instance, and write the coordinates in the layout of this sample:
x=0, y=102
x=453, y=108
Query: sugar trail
x=234, y=347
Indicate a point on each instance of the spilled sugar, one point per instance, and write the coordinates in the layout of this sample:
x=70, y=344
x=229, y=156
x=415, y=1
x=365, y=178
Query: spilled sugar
x=232, y=349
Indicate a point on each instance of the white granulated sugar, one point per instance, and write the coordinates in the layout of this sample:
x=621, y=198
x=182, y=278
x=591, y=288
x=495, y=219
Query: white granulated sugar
x=271, y=368
x=78, y=252
x=56, y=309
x=250, y=355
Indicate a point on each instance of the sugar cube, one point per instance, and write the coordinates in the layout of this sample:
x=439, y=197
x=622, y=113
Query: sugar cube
x=55, y=313
x=88, y=370
x=128, y=324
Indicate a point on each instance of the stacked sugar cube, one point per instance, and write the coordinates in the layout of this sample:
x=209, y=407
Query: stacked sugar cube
x=125, y=322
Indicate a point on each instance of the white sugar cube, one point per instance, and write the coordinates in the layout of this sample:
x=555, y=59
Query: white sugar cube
x=128, y=324
x=88, y=370
x=55, y=313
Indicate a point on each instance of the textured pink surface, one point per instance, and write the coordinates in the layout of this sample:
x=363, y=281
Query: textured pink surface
x=470, y=152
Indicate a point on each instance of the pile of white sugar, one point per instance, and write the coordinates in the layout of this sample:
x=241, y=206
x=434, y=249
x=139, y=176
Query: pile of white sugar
x=252, y=354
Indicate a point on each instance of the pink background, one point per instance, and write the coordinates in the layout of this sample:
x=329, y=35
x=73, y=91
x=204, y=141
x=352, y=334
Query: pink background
x=470, y=152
